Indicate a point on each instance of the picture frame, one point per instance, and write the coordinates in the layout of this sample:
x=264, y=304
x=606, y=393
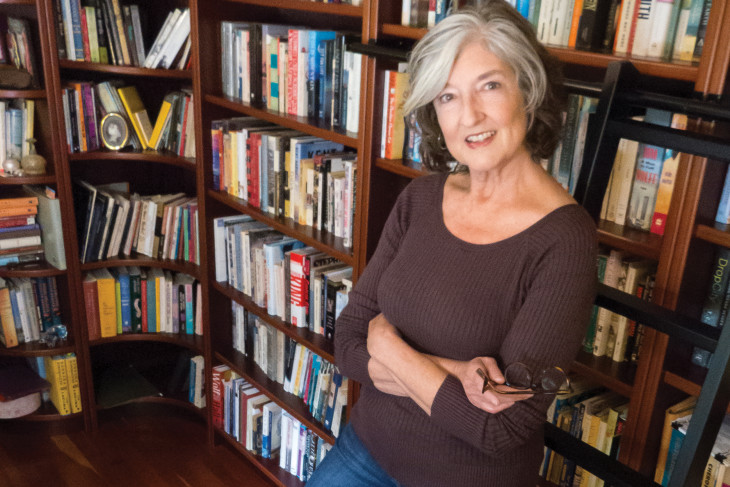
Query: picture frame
x=114, y=131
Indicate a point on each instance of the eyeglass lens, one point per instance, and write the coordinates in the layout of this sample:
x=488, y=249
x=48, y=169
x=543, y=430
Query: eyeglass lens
x=517, y=375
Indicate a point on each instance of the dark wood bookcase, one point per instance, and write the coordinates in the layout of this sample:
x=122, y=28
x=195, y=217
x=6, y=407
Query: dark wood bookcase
x=663, y=372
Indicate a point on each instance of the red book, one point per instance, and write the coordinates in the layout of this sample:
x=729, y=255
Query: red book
x=91, y=301
x=180, y=149
x=143, y=300
x=292, y=74
x=16, y=221
x=252, y=158
x=219, y=373
x=85, y=35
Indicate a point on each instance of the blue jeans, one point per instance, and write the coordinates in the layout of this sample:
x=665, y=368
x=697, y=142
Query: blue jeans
x=349, y=464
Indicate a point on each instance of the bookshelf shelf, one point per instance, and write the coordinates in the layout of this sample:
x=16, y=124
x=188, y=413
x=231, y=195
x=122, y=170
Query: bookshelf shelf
x=618, y=377
x=17, y=181
x=312, y=6
x=313, y=341
x=192, y=342
x=682, y=383
x=403, y=167
x=17, y=2
x=144, y=261
x=324, y=241
x=182, y=74
x=713, y=232
x=30, y=269
x=33, y=94
x=47, y=412
x=638, y=242
x=37, y=349
x=404, y=31
x=308, y=126
x=293, y=404
x=268, y=466
x=146, y=156
x=165, y=400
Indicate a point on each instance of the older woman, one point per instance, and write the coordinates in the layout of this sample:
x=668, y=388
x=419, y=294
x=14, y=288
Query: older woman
x=477, y=269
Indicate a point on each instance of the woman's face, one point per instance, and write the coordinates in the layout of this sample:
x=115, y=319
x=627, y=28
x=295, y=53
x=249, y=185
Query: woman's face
x=480, y=111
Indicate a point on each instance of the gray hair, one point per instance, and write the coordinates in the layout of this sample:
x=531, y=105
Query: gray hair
x=508, y=35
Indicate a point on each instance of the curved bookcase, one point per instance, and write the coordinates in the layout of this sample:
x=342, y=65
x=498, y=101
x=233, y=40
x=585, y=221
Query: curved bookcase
x=191, y=342
x=319, y=7
x=37, y=349
x=144, y=261
x=144, y=156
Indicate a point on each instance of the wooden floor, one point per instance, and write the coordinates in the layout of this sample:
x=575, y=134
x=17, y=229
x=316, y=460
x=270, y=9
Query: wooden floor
x=136, y=445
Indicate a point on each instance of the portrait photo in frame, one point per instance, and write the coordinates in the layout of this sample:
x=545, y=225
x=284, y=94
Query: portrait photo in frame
x=114, y=131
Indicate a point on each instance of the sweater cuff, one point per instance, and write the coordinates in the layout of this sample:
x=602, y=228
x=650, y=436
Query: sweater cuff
x=452, y=411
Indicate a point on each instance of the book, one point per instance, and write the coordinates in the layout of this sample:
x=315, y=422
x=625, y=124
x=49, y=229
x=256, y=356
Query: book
x=714, y=298
x=137, y=113
x=49, y=218
x=666, y=181
x=672, y=414
x=603, y=321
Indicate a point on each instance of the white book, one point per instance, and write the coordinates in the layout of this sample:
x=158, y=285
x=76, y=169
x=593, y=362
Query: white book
x=661, y=23
x=138, y=37
x=405, y=13
x=294, y=441
x=624, y=27
x=384, y=123
x=642, y=33
x=559, y=18
x=119, y=224
x=544, y=19
x=271, y=414
x=285, y=444
x=154, y=52
x=68, y=30
x=219, y=243
x=625, y=180
x=175, y=41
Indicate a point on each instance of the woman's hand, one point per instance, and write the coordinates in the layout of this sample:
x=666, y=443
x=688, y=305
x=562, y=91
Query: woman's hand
x=489, y=400
x=381, y=334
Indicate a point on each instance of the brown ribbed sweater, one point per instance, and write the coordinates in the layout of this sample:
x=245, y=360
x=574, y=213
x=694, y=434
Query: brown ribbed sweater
x=526, y=298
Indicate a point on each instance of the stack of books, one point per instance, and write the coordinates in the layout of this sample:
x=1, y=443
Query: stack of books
x=20, y=234
x=108, y=32
x=17, y=120
x=16, y=48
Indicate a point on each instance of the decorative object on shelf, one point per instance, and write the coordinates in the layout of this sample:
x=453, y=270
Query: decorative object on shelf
x=114, y=131
x=33, y=164
x=12, y=167
x=53, y=335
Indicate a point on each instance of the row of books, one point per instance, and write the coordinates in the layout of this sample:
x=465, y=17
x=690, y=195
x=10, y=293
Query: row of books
x=286, y=174
x=593, y=415
x=16, y=48
x=640, y=188
x=196, y=381
x=610, y=334
x=61, y=371
x=29, y=306
x=85, y=104
x=676, y=422
x=17, y=121
x=250, y=417
x=299, y=284
x=109, y=32
x=141, y=300
x=292, y=70
x=301, y=371
x=111, y=222
x=30, y=228
x=671, y=30
x=717, y=301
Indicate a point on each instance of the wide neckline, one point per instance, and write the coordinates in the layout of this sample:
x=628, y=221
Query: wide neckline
x=519, y=235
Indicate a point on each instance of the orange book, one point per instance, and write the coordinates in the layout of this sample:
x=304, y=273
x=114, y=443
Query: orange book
x=91, y=300
x=18, y=210
x=577, y=11
x=15, y=202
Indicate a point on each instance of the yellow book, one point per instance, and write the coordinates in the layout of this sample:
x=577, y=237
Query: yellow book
x=118, y=302
x=107, y=302
x=79, y=99
x=51, y=378
x=28, y=132
x=164, y=113
x=60, y=392
x=233, y=159
x=137, y=114
x=682, y=408
x=8, y=337
x=72, y=372
x=287, y=169
x=306, y=165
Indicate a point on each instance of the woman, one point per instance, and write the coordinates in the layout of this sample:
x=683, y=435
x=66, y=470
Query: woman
x=476, y=269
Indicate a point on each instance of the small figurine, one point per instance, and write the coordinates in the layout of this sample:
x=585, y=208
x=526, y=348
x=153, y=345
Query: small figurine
x=33, y=164
x=12, y=167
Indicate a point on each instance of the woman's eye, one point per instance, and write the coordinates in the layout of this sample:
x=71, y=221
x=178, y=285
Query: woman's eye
x=492, y=85
x=445, y=98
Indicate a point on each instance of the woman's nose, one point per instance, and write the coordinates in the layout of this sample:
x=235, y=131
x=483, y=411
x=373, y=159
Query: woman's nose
x=472, y=112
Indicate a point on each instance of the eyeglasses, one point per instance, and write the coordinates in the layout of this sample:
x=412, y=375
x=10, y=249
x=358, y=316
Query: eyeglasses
x=519, y=379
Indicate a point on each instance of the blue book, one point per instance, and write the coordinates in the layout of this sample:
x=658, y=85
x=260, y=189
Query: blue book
x=675, y=444
x=121, y=274
x=723, y=209
x=313, y=69
x=523, y=7
x=24, y=227
x=316, y=365
x=191, y=382
x=331, y=396
x=151, y=302
x=76, y=30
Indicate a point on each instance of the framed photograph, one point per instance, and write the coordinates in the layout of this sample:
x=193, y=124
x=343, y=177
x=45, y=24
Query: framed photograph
x=114, y=131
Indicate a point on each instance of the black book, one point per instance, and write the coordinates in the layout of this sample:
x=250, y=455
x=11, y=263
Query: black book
x=84, y=197
x=112, y=221
x=254, y=49
x=614, y=12
x=96, y=230
x=101, y=33
x=129, y=33
x=592, y=26
x=110, y=26
x=327, y=51
x=337, y=81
